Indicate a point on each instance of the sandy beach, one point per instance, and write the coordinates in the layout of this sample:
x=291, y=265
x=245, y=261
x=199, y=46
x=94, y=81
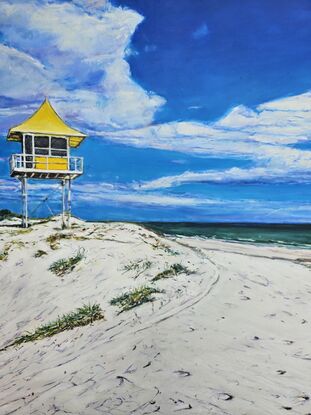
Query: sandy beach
x=231, y=336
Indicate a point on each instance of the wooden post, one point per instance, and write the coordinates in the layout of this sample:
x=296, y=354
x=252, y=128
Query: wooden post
x=69, y=203
x=63, y=183
x=25, y=202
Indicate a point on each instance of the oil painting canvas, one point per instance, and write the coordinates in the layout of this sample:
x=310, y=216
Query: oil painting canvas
x=155, y=207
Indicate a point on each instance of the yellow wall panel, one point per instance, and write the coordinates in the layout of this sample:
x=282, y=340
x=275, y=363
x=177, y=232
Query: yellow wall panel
x=51, y=163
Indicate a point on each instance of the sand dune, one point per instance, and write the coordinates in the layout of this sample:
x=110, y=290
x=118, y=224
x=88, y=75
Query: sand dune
x=231, y=336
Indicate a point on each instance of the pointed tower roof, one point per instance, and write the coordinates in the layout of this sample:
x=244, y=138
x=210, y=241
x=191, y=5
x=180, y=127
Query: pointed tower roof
x=46, y=121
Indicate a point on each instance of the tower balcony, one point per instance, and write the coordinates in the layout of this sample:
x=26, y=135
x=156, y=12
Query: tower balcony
x=45, y=167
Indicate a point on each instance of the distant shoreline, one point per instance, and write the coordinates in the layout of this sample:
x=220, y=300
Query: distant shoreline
x=287, y=235
x=191, y=223
x=292, y=235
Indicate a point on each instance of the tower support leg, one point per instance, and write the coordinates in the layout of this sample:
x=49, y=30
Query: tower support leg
x=25, y=202
x=69, y=203
x=63, y=183
x=66, y=202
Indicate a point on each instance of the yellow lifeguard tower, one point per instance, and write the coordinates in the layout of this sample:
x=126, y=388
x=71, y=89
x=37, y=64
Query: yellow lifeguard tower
x=46, y=142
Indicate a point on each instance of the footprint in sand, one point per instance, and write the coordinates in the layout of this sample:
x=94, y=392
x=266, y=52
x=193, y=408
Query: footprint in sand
x=225, y=396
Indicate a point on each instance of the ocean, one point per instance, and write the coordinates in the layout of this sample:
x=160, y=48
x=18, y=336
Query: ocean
x=293, y=235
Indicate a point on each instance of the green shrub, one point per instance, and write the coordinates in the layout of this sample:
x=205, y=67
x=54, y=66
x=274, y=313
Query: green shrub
x=8, y=246
x=5, y=253
x=162, y=246
x=172, y=271
x=64, y=266
x=82, y=316
x=54, y=239
x=22, y=231
x=134, y=298
x=139, y=267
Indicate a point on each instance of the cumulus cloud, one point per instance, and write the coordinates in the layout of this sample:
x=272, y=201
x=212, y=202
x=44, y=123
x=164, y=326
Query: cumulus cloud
x=74, y=52
x=265, y=135
x=22, y=75
x=282, y=122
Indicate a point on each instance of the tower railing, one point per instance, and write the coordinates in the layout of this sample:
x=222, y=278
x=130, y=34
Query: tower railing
x=34, y=163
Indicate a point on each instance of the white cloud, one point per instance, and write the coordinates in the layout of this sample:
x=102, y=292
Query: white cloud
x=129, y=103
x=144, y=199
x=22, y=76
x=107, y=193
x=8, y=186
x=93, y=5
x=233, y=175
x=262, y=135
x=102, y=193
x=283, y=122
x=60, y=49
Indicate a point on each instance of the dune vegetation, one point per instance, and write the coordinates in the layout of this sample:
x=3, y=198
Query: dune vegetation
x=66, y=265
x=134, y=298
x=172, y=271
x=82, y=316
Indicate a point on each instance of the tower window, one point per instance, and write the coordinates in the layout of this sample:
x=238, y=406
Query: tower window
x=59, y=143
x=42, y=141
x=27, y=144
x=41, y=145
x=58, y=147
x=46, y=146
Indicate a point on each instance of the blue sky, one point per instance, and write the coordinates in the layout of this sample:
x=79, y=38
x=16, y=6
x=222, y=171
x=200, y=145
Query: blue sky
x=208, y=56
x=196, y=110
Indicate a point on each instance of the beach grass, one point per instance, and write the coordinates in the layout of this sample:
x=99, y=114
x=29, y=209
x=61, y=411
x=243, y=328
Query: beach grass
x=162, y=246
x=54, y=239
x=66, y=265
x=24, y=231
x=135, y=298
x=139, y=267
x=19, y=232
x=4, y=254
x=82, y=316
x=172, y=271
x=17, y=243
